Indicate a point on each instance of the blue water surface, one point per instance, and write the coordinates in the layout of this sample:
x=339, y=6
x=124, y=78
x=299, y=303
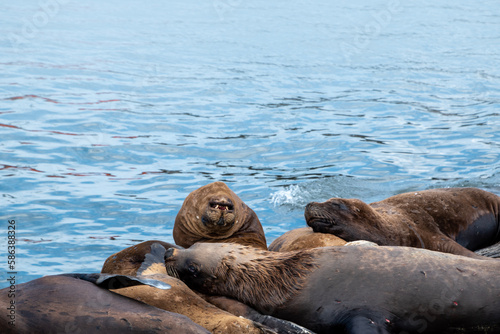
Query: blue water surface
x=112, y=112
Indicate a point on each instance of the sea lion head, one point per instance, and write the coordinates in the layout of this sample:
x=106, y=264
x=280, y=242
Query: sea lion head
x=214, y=213
x=349, y=219
x=240, y=272
x=200, y=265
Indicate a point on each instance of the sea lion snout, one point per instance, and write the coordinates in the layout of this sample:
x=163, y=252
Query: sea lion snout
x=219, y=213
x=170, y=253
x=223, y=204
x=316, y=215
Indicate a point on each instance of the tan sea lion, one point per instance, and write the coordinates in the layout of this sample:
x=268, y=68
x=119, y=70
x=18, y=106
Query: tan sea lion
x=130, y=259
x=451, y=220
x=304, y=238
x=64, y=304
x=351, y=289
x=214, y=213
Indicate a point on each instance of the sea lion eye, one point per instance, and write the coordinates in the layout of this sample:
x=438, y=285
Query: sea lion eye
x=192, y=268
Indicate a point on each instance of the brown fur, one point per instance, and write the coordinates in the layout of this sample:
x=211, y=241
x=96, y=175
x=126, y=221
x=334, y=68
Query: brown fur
x=262, y=278
x=451, y=220
x=214, y=213
x=304, y=238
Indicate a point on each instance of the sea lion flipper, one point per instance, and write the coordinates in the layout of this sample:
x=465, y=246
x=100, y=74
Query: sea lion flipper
x=361, y=324
x=107, y=281
x=123, y=281
x=283, y=326
x=154, y=262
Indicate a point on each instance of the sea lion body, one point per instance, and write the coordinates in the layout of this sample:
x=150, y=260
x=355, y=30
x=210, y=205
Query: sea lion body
x=451, y=220
x=304, y=238
x=214, y=213
x=63, y=304
x=359, y=289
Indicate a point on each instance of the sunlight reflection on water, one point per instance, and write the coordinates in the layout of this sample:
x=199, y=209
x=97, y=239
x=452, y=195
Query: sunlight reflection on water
x=111, y=113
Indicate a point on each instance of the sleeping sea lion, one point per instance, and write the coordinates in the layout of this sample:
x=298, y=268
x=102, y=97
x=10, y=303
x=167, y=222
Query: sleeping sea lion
x=147, y=261
x=303, y=238
x=214, y=213
x=64, y=304
x=451, y=220
x=353, y=289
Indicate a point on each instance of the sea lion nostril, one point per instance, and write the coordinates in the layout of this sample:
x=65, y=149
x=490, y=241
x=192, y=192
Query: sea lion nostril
x=169, y=253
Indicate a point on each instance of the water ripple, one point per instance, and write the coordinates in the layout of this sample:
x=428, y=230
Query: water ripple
x=111, y=113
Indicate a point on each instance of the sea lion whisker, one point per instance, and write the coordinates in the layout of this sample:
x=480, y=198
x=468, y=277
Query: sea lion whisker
x=171, y=271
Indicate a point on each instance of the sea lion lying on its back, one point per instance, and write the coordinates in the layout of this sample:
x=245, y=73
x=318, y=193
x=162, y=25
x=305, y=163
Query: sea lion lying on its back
x=356, y=289
x=214, y=213
x=451, y=220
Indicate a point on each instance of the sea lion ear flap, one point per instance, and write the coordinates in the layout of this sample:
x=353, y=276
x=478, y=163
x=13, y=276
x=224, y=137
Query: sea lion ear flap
x=154, y=263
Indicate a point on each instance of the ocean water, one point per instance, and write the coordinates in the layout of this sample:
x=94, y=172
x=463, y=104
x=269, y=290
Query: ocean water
x=112, y=112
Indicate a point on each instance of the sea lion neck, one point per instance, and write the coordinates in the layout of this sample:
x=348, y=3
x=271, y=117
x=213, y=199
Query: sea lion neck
x=240, y=272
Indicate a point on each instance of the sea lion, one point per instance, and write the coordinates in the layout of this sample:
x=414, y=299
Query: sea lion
x=452, y=220
x=356, y=289
x=303, y=238
x=214, y=213
x=147, y=261
x=61, y=304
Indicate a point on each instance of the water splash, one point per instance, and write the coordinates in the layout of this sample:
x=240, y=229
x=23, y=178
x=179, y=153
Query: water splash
x=292, y=195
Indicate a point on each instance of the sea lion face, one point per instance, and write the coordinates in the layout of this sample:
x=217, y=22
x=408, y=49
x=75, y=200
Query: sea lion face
x=219, y=215
x=214, y=213
x=341, y=217
x=197, y=265
x=211, y=212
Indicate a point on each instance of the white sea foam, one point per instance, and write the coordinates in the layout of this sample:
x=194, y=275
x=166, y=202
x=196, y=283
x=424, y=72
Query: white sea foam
x=290, y=195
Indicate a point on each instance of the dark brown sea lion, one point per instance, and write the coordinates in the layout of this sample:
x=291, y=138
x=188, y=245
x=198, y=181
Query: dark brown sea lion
x=62, y=304
x=355, y=289
x=214, y=213
x=452, y=220
x=304, y=238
